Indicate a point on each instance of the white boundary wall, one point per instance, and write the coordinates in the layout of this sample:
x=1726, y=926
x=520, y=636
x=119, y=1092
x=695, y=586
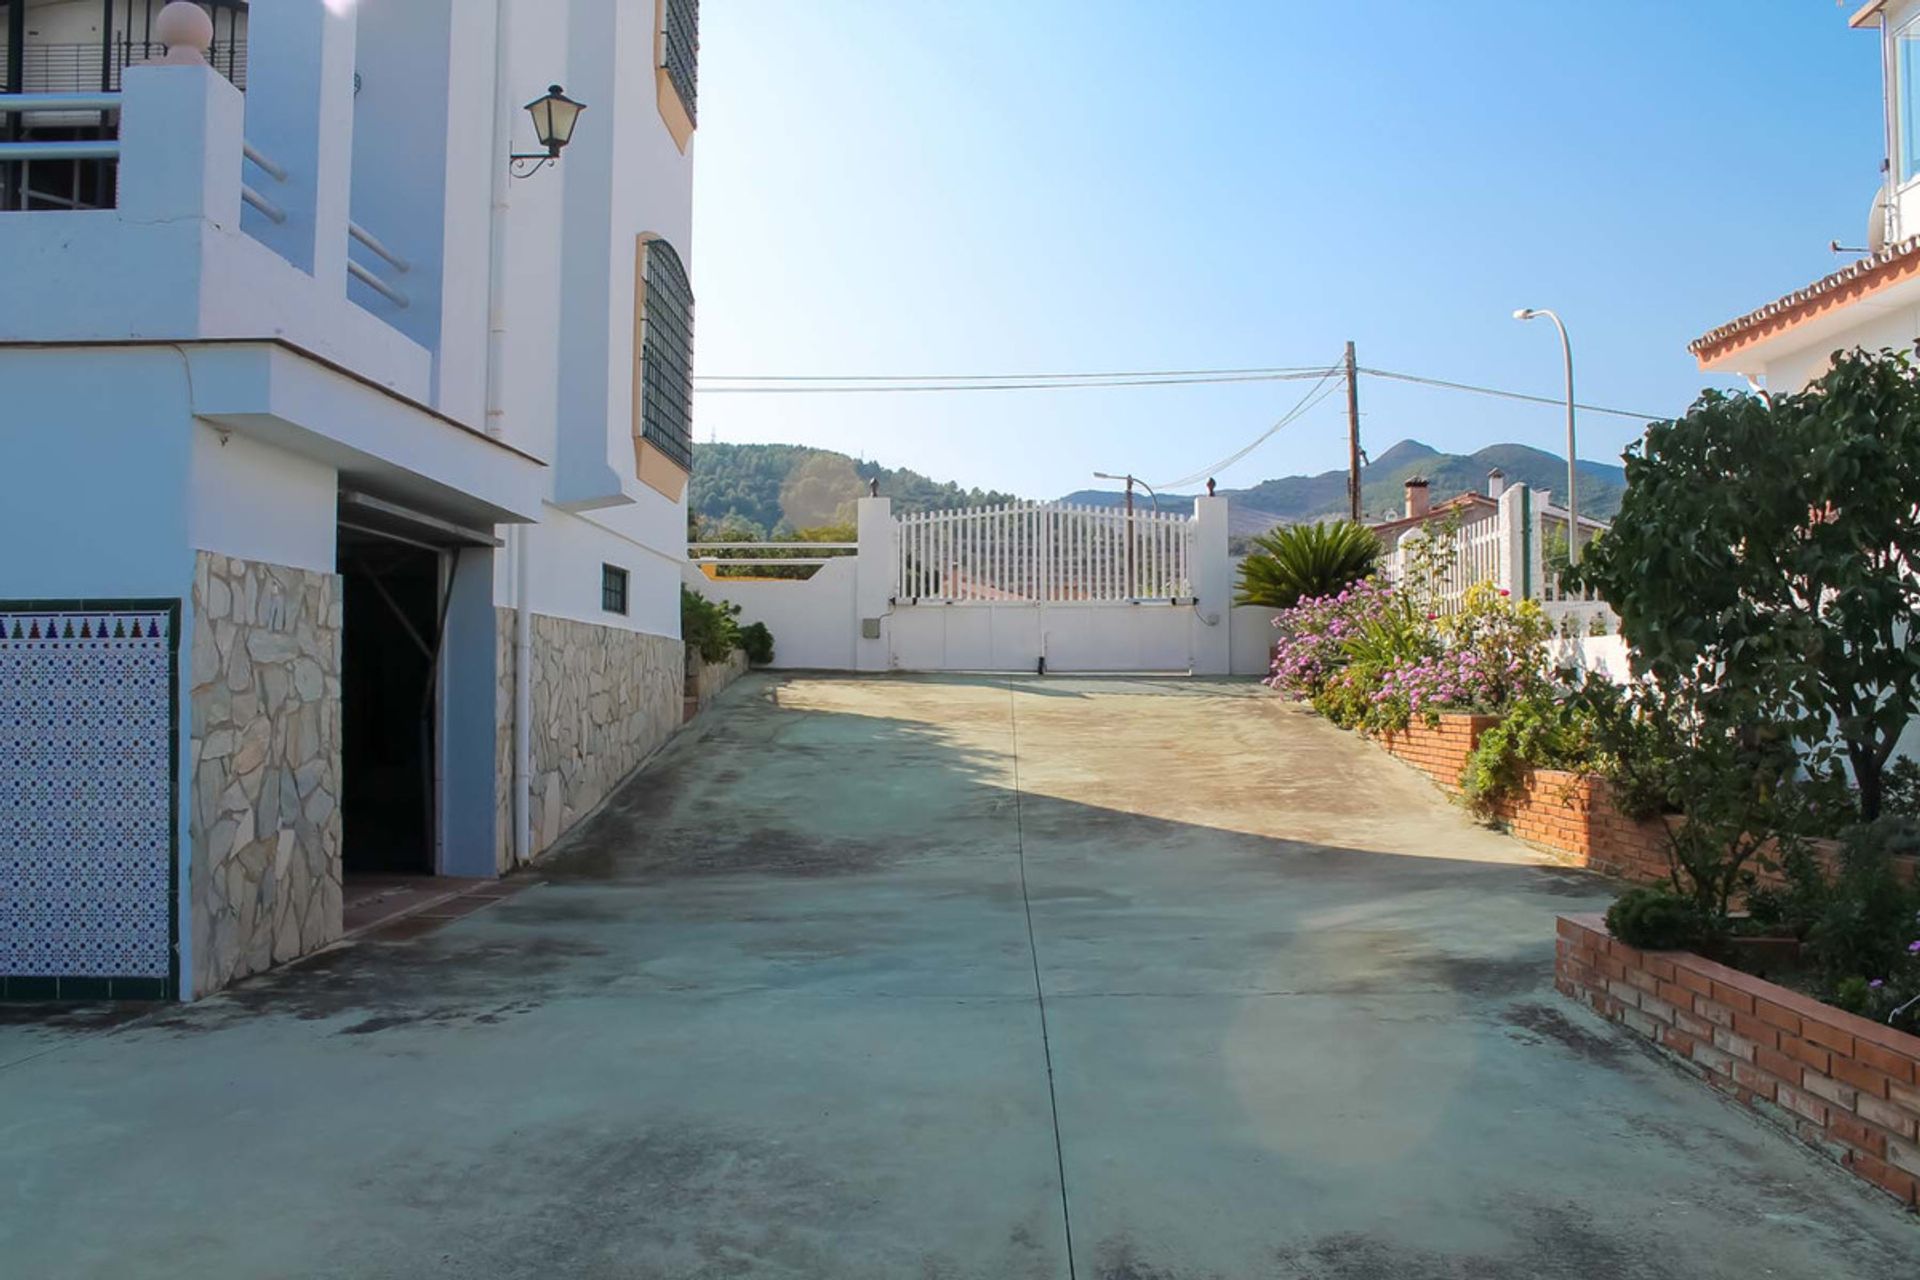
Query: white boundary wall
x=846, y=617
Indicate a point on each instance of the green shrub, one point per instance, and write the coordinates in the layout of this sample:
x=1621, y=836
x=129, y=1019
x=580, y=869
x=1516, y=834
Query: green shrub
x=1655, y=920
x=1855, y=995
x=1902, y=788
x=1857, y=919
x=758, y=642
x=1306, y=561
x=707, y=626
x=1539, y=731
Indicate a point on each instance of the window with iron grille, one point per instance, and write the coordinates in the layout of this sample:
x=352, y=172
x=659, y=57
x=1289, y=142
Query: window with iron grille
x=680, y=48
x=666, y=356
x=613, y=588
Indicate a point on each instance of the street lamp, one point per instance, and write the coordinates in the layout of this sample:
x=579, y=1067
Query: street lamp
x=554, y=115
x=1573, y=499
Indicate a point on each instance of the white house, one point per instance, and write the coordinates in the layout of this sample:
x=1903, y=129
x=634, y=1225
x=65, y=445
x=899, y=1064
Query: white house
x=1873, y=302
x=342, y=478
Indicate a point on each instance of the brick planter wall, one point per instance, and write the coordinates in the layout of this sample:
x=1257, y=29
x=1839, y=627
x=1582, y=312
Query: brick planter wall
x=1565, y=813
x=1845, y=1086
x=1574, y=813
x=1439, y=751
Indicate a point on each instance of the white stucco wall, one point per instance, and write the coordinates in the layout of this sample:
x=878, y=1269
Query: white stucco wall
x=566, y=554
x=813, y=621
x=260, y=503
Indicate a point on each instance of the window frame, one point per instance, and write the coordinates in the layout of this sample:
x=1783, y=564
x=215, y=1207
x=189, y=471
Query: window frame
x=680, y=52
x=615, y=584
x=1903, y=104
x=664, y=378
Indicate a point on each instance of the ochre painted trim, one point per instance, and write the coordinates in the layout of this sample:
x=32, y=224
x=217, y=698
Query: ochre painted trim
x=657, y=471
x=673, y=112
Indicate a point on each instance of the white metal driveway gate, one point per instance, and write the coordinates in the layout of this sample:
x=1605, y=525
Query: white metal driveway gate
x=1024, y=585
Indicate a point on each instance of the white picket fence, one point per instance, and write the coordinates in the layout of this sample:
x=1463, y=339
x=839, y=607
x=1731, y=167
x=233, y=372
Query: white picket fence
x=1044, y=553
x=1463, y=557
x=1508, y=548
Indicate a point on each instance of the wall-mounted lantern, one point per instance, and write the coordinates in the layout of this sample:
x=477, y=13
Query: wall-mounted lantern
x=554, y=115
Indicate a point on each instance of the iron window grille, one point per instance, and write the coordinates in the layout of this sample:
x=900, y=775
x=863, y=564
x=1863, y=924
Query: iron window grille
x=666, y=356
x=613, y=588
x=680, y=49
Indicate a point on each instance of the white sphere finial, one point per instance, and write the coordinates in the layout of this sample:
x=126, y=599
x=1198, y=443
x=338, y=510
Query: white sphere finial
x=186, y=30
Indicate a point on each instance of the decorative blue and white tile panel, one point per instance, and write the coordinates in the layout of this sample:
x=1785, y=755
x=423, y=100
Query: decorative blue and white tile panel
x=87, y=730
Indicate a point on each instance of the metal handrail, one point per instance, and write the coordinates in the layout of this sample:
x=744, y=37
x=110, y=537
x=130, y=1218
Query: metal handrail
x=20, y=103
x=272, y=170
x=109, y=150
x=372, y=242
x=376, y=284
x=273, y=212
x=779, y=546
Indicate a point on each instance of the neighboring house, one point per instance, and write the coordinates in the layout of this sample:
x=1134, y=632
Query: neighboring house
x=1875, y=301
x=1469, y=509
x=344, y=495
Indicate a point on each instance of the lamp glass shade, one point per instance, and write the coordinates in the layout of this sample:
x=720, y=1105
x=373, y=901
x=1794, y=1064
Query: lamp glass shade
x=553, y=118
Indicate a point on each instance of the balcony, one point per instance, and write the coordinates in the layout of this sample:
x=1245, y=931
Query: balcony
x=38, y=55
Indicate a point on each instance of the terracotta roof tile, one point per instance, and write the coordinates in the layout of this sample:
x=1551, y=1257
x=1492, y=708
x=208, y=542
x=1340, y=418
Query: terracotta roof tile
x=1854, y=281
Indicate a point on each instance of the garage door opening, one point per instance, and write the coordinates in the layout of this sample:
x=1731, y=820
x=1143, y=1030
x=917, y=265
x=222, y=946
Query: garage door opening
x=393, y=606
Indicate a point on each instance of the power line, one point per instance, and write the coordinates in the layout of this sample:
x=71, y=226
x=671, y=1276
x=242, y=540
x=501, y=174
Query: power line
x=992, y=377
x=873, y=383
x=870, y=389
x=1316, y=393
x=1509, y=395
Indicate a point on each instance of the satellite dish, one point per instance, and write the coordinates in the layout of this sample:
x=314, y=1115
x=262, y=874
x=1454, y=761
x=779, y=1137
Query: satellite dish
x=1877, y=221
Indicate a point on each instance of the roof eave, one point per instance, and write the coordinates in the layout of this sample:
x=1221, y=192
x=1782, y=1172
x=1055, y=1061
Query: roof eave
x=1859, y=280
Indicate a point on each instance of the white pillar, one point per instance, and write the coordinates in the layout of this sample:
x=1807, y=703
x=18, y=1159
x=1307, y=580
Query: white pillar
x=300, y=59
x=1519, y=549
x=873, y=585
x=179, y=146
x=1211, y=571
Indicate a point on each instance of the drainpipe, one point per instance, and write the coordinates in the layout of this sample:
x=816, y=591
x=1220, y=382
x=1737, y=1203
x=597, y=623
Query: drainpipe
x=522, y=700
x=518, y=535
x=497, y=228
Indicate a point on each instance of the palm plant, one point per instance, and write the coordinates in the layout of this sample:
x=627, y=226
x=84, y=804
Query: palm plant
x=1303, y=561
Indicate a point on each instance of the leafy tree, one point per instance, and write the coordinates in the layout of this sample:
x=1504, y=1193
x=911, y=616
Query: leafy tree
x=1306, y=561
x=1762, y=565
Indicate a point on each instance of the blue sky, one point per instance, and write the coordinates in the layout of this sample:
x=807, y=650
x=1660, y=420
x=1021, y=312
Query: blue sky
x=995, y=186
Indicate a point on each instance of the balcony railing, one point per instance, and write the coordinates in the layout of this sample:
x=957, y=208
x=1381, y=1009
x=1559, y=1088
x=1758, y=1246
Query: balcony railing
x=82, y=67
x=52, y=158
x=58, y=150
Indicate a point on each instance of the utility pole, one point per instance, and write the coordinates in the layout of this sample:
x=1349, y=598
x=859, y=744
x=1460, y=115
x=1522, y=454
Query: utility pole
x=1353, y=435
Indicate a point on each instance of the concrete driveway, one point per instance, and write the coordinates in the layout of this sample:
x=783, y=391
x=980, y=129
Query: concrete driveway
x=1102, y=979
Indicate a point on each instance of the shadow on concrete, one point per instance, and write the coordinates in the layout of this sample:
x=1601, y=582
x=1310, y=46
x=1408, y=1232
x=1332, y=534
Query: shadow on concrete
x=774, y=1010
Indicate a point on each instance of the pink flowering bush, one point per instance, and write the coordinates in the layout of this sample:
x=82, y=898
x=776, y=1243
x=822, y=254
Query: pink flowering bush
x=1311, y=647
x=1370, y=658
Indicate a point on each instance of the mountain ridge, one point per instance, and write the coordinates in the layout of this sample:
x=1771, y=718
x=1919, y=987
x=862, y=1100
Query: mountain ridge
x=782, y=488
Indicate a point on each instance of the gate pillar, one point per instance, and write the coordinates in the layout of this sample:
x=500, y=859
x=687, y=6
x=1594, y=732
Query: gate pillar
x=1212, y=576
x=873, y=586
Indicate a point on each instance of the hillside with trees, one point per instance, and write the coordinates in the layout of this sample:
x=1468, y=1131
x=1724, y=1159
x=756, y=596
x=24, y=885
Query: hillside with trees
x=771, y=490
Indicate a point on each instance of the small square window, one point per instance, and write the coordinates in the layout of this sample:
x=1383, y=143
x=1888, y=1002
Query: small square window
x=613, y=588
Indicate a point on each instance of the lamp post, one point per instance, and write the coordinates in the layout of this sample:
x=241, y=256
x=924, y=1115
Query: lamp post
x=1573, y=498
